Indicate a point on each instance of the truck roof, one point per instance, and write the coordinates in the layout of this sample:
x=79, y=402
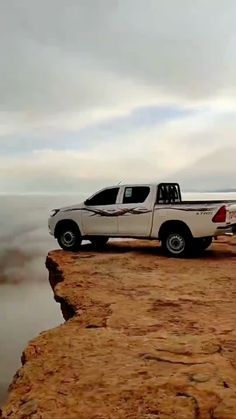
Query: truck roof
x=141, y=184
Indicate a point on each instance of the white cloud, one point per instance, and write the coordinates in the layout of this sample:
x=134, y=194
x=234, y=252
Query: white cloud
x=147, y=153
x=126, y=96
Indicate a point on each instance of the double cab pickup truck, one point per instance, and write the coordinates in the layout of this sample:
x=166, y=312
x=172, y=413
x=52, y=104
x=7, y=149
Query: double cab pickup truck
x=147, y=212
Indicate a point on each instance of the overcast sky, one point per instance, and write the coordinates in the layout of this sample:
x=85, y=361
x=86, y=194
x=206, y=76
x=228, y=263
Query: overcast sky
x=100, y=91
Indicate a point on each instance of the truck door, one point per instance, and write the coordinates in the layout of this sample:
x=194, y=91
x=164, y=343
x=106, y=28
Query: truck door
x=136, y=210
x=99, y=215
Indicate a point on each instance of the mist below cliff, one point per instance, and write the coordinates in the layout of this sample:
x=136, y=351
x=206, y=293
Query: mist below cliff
x=26, y=299
x=26, y=310
x=24, y=238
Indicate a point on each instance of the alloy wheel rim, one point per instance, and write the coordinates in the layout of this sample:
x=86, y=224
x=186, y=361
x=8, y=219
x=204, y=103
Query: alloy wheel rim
x=68, y=238
x=176, y=243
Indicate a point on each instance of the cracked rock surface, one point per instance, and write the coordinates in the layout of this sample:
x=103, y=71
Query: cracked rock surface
x=146, y=337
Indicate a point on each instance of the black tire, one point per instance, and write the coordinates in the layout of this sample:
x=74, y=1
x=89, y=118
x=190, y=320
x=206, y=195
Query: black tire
x=202, y=243
x=99, y=241
x=69, y=237
x=177, y=243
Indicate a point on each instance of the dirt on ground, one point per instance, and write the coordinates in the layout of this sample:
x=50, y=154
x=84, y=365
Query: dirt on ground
x=146, y=337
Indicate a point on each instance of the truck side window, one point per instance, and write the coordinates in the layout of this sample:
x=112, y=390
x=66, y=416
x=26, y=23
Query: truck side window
x=106, y=197
x=136, y=194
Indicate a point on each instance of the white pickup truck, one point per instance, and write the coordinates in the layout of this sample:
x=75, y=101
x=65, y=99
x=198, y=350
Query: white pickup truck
x=147, y=212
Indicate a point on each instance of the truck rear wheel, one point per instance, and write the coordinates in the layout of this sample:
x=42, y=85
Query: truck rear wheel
x=176, y=244
x=69, y=237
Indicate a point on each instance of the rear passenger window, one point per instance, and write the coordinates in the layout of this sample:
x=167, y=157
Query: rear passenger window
x=136, y=194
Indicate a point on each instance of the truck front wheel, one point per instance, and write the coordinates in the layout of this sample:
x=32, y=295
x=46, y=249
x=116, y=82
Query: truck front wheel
x=69, y=237
x=176, y=244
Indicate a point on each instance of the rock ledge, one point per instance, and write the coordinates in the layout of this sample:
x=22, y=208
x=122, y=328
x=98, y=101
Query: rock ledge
x=146, y=337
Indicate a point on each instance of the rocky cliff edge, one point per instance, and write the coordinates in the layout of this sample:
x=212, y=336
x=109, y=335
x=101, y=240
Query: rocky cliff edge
x=146, y=337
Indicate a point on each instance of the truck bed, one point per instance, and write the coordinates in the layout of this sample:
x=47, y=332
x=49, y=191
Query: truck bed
x=221, y=201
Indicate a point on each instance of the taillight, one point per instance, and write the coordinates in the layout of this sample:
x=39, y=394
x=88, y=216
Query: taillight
x=220, y=216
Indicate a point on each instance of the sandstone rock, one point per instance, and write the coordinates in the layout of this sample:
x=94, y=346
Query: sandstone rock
x=146, y=337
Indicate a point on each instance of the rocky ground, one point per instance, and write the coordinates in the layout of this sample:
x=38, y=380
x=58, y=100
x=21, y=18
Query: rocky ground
x=146, y=338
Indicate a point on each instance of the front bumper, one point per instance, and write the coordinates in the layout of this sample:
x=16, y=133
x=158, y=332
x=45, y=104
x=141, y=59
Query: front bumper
x=50, y=227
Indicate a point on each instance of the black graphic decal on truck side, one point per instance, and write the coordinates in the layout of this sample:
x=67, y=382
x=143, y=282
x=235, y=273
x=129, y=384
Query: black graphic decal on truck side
x=135, y=211
x=115, y=213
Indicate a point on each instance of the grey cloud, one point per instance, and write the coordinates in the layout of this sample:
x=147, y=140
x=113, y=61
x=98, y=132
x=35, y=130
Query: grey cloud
x=61, y=54
x=216, y=171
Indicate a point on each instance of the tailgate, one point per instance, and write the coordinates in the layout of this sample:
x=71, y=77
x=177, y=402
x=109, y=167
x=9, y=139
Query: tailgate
x=232, y=214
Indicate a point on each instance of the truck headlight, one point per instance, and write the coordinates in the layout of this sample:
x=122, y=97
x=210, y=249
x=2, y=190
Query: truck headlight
x=54, y=212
